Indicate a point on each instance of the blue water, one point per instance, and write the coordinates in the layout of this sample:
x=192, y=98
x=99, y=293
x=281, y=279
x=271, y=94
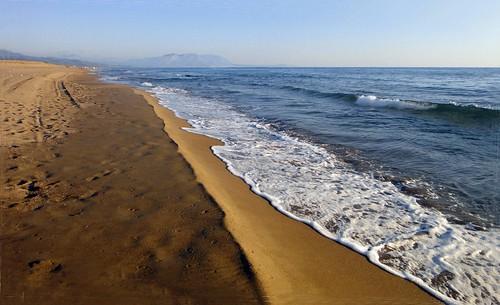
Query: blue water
x=447, y=136
x=430, y=134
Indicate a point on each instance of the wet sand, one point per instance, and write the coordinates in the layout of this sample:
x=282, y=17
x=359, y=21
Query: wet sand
x=96, y=204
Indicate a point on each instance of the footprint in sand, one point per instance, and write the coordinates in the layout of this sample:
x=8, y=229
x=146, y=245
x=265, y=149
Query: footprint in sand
x=12, y=168
x=40, y=270
x=29, y=189
x=76, y=213
x=99, y=175
x=88, y=195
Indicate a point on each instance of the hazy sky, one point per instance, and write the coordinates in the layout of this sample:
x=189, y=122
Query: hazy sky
x=303, y=33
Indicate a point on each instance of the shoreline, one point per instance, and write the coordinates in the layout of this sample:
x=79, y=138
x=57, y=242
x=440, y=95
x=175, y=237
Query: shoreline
x=293, y=272
x=107, y=197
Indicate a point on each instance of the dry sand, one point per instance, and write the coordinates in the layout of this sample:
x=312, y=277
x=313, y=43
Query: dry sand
x=96, y=204
x=98, y=207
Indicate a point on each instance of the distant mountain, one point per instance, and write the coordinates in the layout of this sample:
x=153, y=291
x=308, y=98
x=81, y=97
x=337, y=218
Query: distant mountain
x=181, y=60
x=8, y=55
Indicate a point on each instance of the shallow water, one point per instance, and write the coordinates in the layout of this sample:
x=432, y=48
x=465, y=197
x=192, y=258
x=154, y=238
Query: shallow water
x=402, y=165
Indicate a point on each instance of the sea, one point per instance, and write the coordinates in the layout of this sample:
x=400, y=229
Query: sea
x=400, y=164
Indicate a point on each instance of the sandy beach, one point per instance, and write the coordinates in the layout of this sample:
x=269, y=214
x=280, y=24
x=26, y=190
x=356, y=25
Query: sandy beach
x=105, y=199
x=97, y=206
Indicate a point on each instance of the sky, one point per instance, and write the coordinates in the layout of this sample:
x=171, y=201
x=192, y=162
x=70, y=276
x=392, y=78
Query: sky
x=260, y=32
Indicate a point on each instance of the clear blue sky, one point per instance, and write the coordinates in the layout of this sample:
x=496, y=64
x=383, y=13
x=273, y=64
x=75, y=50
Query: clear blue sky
x=303, y=33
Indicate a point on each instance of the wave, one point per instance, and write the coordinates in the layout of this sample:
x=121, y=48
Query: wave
x=484, y=111
x=373, y=217
x=316, y=93
x=107, y=78
x=373, y=101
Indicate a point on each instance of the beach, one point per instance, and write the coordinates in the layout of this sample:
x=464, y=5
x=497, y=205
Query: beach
x=106, y=199
x=100, y=208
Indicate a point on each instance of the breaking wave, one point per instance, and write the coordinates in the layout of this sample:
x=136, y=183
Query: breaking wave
x=382, y=102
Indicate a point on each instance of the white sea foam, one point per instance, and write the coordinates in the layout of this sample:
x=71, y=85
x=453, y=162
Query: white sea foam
x=147, y=84
x=306, y=182
x=107, y=78
x=373, y=101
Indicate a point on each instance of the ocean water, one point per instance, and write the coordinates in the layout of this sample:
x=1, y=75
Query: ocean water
x=400, y=164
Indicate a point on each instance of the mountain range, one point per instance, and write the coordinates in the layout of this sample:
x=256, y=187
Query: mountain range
x=181, y=60
x=8, y=55
x=165, y=61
